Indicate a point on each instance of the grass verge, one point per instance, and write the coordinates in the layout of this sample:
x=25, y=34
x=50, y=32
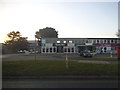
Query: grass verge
x=56, y=68
x=100, y=59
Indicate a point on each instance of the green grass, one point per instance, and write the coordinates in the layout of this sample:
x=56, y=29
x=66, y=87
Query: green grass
x=100, y=59
x=56, y=68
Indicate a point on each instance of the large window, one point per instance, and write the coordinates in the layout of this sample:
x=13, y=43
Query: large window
x=108, y=41
x=98, y=41
x=70, y=41
x=72, y=49
x=68, y=49
x=58, y=41
x=46, y=49
x=65, y=49
x=112, y=41
x=43, y=49
x=105, y=41
x=54, y=50
x=50, y=49
x=64, y=41
x=86, y=41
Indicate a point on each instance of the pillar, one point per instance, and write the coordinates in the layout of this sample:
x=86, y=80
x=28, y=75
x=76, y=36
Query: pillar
x=52, y=50
x=74, y=50
x=45, y=50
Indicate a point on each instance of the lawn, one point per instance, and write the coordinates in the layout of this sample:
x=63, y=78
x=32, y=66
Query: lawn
x=100, y=59
x=56, y=68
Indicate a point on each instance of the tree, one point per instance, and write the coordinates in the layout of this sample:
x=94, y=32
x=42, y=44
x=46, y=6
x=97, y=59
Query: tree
x=15, y=42
x=47, y=32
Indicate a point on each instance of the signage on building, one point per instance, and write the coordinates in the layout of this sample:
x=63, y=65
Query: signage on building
x=71, y=44
x=106, y=45
x=59, y=44
x=88, y=43
x=103, y=45
x=48, y=44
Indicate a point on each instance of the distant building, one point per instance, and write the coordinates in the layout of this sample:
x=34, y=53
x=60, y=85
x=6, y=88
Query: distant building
x=33, y=46
x=76, y=45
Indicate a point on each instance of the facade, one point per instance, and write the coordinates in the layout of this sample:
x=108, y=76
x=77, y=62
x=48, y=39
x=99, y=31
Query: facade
x=76, y=45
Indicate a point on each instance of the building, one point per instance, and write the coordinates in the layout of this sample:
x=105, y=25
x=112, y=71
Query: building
x=76, y=45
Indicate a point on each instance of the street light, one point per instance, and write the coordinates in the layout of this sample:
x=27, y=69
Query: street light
x=35, y=47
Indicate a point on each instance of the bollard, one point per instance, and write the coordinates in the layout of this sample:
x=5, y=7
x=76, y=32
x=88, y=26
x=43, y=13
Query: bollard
x=111, y=54
x=66, y=61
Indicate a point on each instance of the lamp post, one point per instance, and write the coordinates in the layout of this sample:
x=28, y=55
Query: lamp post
x=35, y=48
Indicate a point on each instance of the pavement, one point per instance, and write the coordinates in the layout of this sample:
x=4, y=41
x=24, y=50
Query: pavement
x=59, y=84
x=93, y=77
x=16, y=57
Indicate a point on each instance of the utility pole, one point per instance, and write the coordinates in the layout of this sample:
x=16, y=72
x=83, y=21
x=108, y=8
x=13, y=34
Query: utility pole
x=35, y=48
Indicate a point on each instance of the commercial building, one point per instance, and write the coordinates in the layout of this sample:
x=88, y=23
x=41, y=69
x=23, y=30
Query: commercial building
x=76, y=45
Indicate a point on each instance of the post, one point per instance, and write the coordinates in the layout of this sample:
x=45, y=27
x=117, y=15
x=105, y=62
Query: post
x=67, y=62
x=35, y=49
x=111, y=54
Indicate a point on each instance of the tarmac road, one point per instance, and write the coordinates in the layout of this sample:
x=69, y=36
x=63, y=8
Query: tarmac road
x=33, y=83
x=56, y=57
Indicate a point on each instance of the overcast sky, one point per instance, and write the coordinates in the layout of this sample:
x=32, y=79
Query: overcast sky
x=71, y=19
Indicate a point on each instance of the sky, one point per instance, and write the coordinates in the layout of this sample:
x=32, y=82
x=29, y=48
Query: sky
x=72, y=19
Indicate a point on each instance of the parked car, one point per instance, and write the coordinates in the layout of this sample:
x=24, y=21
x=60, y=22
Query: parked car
x=85, y=54
x=21, y=51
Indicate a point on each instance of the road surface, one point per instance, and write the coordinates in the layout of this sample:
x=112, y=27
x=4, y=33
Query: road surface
x=33, y=83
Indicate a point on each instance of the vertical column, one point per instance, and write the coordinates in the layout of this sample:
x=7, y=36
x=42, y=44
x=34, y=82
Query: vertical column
x=41, y=49
x=52, y=49
x=70, y=50
x=49, y=50
x=74, y=50
x=56, y=49
x=110, y=42
x=45, y=49
x=67, y=50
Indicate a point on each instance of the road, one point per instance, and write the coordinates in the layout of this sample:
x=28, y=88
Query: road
x=56, y=57
x=33, y=83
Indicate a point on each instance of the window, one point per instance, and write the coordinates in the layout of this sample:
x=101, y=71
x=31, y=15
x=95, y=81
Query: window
x=43, y=49
x=86, y=41
x=58, y=41
x=112, y=41
x=46, y=49
x=64, y=41
x=68, y=49
x=105, y=41
x=65, y=49
x=54, y=50
x=70, y=41
x=115, y=41
x=97, y=41
x=50, y=49
x=94, y=41
x=72, y=49
x=108, y=41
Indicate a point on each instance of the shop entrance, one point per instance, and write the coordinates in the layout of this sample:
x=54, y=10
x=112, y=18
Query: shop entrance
x=86, y=48
x=81, y=48
x=59, y=49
